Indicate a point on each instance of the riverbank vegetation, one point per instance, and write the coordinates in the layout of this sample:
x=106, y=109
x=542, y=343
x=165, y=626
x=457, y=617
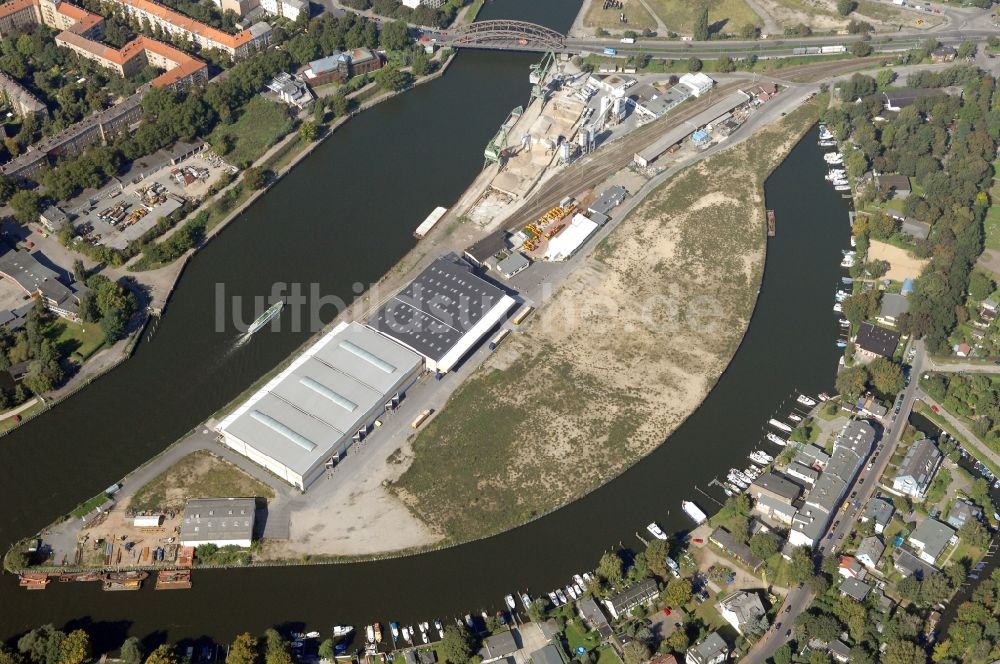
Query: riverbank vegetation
x=602, y=375
x=945, y=144
x=197, y=475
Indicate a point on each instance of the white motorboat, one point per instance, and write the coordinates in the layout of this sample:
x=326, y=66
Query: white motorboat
x=370, y=633
x=794, y=418
x=579, y=581
x=727, y=491
x=440, y=628
x=554, y=598
x=561, y=596
x=838, y=308
x=656, y=531
x=776, y=439
x=778, y=424
x=406, y=634
x=342, y=630
x=511, y=604
x=806, y=401
x=571, y=593
x=843, y=187
x=694, y=512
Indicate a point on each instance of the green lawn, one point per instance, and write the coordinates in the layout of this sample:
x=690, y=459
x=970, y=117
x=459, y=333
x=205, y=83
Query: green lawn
x=85, y=508
x=723, y=15
x=576, y=636
x=991, y=226
x=9, y=423
x=76, y=340
x=607, y=655
x=261, y=125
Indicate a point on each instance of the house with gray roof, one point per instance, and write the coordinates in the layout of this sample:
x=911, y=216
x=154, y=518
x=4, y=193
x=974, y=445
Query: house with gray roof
x=917, y=469
x=745, y=612
x=918, y=230
x=855, y=589
x=880, y=511
x=723, y=539
x=547, y=655
x=593, y=616
x=498, y=646
x=636, y=594
x=962, y=512
x=804, y=474
x=907, y=564
x=812, y=456
x=712, y=650
x=893, y=306
x=777, y=486
x=218, y=521
x=776, y=510
x=870, y=552
x=839, y=650
x=930, y=539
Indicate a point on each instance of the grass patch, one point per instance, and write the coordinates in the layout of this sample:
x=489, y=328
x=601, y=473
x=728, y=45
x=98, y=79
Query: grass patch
x=86, y=507
x=76, y=340
x=261, y=125
x=609, y=19
x=938, y=487
x=607, y=655
x=723, y=15
x=991, y=225
x=9, y=423
x=576, y=636
x=198, y=475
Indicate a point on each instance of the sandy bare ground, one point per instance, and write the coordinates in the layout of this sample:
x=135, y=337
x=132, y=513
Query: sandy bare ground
x=622, y=353
x=901, y=264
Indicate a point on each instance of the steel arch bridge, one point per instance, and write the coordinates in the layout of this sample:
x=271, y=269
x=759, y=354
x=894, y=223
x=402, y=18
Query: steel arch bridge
x=515, y=35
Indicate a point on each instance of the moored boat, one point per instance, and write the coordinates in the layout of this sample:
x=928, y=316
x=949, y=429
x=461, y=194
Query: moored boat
x=342, y=630
x=778, y=424
x=511, y=604
x=776, y=439
x=656, y=531
x=694, y=512
x=805, y=401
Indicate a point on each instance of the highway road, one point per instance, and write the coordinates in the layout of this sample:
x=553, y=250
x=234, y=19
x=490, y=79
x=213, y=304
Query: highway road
x=859, y=494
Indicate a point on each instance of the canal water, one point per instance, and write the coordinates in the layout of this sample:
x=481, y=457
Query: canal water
x=344, y=216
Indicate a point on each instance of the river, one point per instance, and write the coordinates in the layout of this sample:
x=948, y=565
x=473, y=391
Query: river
x=344, y=216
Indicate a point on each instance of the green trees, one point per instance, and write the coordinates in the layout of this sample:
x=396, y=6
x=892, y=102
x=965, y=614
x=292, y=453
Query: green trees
x=859, y=308
x=26, y=205
x=609, y=569
x=861, y=49
x=801, y=566
x=886, y=376
x=763, y=545
x=635, y=652
x=164, y=654
x=308, y=131
x=327, y=650
x=850, y=383
x=701, y=23
x=75, y=648
x=255, y=177
x=42, y=645
x=456, y=647
x=131, y=651
x=694, y=64
x=392, y=78
x=980, y=286
x=243, y=650
x=845, y=7
x=339, y=104
x=677, y=592
x=749, y=31
x=395, y=36
x=421, y=63
x=656, y=557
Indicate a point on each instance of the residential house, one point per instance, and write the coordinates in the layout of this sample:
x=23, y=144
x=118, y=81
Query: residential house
x=500, y=645
x=873, y=341
x=637, y=594
x=839, y=650
x=943, y=54
x=775, y=510
x=930, y=539
x=713, y=650
x=850, y=568
x=893, y=306
x=745, y=612
x=893, y=186
x=907, y=564
x=879, y=510
x=593, y=616
x=812, y=456
x=805, y=474
x=547, y=655
x=870, y=552
x=962, y=512
x=918, y=230
x=915, y=472
x=988, y=309
x=962, y=350
x=776, y=486
x=723, y=539
x=855, y=589
x=53, y=219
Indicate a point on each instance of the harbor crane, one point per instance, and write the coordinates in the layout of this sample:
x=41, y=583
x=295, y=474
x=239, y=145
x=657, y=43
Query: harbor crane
x=539, y=72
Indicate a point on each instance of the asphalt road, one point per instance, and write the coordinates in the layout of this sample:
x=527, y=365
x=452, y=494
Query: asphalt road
x=859, y=494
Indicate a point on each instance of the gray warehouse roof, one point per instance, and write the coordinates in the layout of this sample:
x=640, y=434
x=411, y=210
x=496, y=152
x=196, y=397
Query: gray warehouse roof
x=728, y=103
x=218, y=519
x=776, y=484
x=609, y=198
x=435, y=311
x=24, y=268
x=304, y=412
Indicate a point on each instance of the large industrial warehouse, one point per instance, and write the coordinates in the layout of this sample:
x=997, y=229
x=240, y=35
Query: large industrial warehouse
x=443, y=313
x=327, y=399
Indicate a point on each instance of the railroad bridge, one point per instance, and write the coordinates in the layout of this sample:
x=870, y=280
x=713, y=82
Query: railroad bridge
x=508, y=35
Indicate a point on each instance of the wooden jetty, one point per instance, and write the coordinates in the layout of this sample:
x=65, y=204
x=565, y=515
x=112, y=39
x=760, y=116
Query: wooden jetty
x=771, y=229
x=173, y=579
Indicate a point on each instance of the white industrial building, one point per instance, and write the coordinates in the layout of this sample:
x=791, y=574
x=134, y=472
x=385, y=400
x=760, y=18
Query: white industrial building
x=571, y=238
x=698, y=83
x=322, y=403
x=443, y=313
